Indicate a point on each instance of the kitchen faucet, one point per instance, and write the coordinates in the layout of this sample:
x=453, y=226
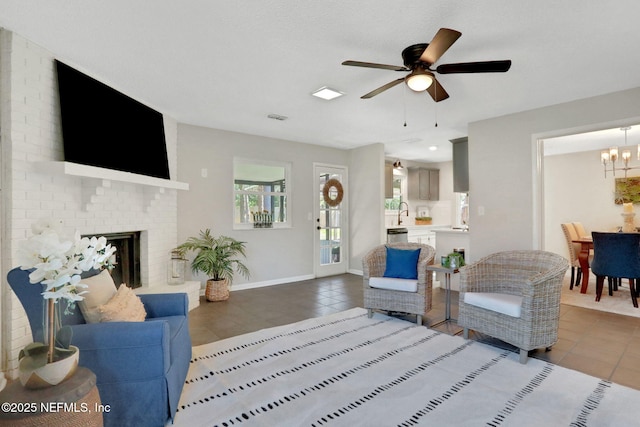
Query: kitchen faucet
x=400, y=211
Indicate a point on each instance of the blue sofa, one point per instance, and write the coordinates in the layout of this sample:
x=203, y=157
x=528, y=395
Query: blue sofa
x=140, y=366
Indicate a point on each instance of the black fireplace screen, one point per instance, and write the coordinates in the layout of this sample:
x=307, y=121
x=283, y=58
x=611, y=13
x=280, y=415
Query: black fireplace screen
x=127, y=269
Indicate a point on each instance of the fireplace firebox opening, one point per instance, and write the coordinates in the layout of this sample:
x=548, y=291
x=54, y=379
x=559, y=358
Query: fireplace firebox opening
x=127, y=269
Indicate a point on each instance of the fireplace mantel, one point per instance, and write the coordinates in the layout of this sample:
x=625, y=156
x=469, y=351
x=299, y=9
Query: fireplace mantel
x=102, y=177
x=86, y=171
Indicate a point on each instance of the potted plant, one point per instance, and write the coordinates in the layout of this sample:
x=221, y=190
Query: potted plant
x=57, y=262
x=217, y=257
x=454, y=260
x=423, y=220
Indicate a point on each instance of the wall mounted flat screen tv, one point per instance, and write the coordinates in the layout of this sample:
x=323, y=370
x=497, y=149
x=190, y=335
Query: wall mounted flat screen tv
x=105, y=128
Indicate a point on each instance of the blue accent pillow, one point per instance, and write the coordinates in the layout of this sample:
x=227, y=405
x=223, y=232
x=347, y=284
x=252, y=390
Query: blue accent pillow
x=402, y=263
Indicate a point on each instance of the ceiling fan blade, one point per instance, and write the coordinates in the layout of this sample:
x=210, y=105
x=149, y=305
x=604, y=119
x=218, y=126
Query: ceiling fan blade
x=382, y=88
x=437, y=92
x=374, y=65
x=441, y=42
x=475, y=67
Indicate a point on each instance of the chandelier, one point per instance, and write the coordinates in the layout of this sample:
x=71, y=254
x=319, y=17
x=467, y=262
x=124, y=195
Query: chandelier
x=611, y=156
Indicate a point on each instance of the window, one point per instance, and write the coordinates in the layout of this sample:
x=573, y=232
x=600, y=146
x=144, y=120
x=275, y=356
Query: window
x=462, y=210
x=394, y=203
x=261, y=194
x=399, y=191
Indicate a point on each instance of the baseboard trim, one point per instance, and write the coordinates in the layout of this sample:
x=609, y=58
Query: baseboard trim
x=265, y=283
x=281, y=281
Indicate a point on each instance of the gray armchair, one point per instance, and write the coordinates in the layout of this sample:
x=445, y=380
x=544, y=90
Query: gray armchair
x=411, y=297
x=513, y=296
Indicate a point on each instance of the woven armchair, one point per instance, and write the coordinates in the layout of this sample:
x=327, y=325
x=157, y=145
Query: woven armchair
x=418, y=303
x=528, y=282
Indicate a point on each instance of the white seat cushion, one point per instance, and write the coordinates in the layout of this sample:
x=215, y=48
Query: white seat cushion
x=394, y=284
x=510, y=305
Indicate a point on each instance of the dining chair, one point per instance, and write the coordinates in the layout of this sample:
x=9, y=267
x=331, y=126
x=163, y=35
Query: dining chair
x=570, y=235
x=616, y=255
x=580, y=229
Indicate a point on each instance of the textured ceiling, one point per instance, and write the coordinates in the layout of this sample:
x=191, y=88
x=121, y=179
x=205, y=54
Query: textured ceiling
x=228, y=64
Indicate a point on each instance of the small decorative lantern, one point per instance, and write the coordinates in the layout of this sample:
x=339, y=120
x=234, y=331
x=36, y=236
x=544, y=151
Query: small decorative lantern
x=177, y=268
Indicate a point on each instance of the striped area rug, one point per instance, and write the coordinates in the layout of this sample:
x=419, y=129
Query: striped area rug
x=348, y=370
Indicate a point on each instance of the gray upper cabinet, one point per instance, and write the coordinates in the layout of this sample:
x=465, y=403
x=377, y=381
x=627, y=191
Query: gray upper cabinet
x=424, y=184
x=460, y=165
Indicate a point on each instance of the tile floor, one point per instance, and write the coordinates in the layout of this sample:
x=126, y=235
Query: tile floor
x=601, y=344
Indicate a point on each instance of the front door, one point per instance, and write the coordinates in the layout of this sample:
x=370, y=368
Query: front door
x=331, y=231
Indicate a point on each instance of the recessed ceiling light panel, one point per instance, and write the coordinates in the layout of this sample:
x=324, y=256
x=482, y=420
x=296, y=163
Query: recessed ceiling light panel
x=327, y=93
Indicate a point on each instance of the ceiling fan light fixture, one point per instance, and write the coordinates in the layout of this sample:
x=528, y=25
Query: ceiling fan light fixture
x=419, y=80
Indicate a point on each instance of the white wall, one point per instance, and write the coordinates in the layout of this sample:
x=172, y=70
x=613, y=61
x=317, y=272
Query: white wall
x=31, y=132
x=575, y=190
x=502, y=165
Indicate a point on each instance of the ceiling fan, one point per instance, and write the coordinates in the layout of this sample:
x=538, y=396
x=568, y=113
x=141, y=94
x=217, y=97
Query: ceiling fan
x=419, y=58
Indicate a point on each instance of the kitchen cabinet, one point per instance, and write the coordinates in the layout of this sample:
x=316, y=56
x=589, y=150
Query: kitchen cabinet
x=424, y=184
x=426, y=237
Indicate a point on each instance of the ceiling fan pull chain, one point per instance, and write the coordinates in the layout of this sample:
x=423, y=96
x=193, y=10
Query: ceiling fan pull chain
x=404, y=103
x=435, y=111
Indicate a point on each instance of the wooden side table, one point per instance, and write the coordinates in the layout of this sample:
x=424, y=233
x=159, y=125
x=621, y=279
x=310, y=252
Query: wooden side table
x=74, y=402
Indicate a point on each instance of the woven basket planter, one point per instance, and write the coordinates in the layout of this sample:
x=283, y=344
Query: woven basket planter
x=217, y=290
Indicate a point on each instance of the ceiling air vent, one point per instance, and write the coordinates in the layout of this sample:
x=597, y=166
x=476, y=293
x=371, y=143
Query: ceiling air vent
x=277, y=117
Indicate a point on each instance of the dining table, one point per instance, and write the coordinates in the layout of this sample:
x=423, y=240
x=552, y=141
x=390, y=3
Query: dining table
x=586, y=245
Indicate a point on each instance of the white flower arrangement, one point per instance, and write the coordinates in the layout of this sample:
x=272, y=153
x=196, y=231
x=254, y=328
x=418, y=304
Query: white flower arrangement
x=57, y=263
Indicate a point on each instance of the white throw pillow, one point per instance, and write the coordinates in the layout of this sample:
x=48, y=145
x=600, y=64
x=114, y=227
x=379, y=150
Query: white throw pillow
x=101, y=289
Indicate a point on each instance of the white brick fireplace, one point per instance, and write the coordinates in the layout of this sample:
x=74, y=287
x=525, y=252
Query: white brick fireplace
x=34, y=188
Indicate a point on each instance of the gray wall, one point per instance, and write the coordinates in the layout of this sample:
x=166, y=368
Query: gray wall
x=366, y=202
x=275, y=255
x=503, y=166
